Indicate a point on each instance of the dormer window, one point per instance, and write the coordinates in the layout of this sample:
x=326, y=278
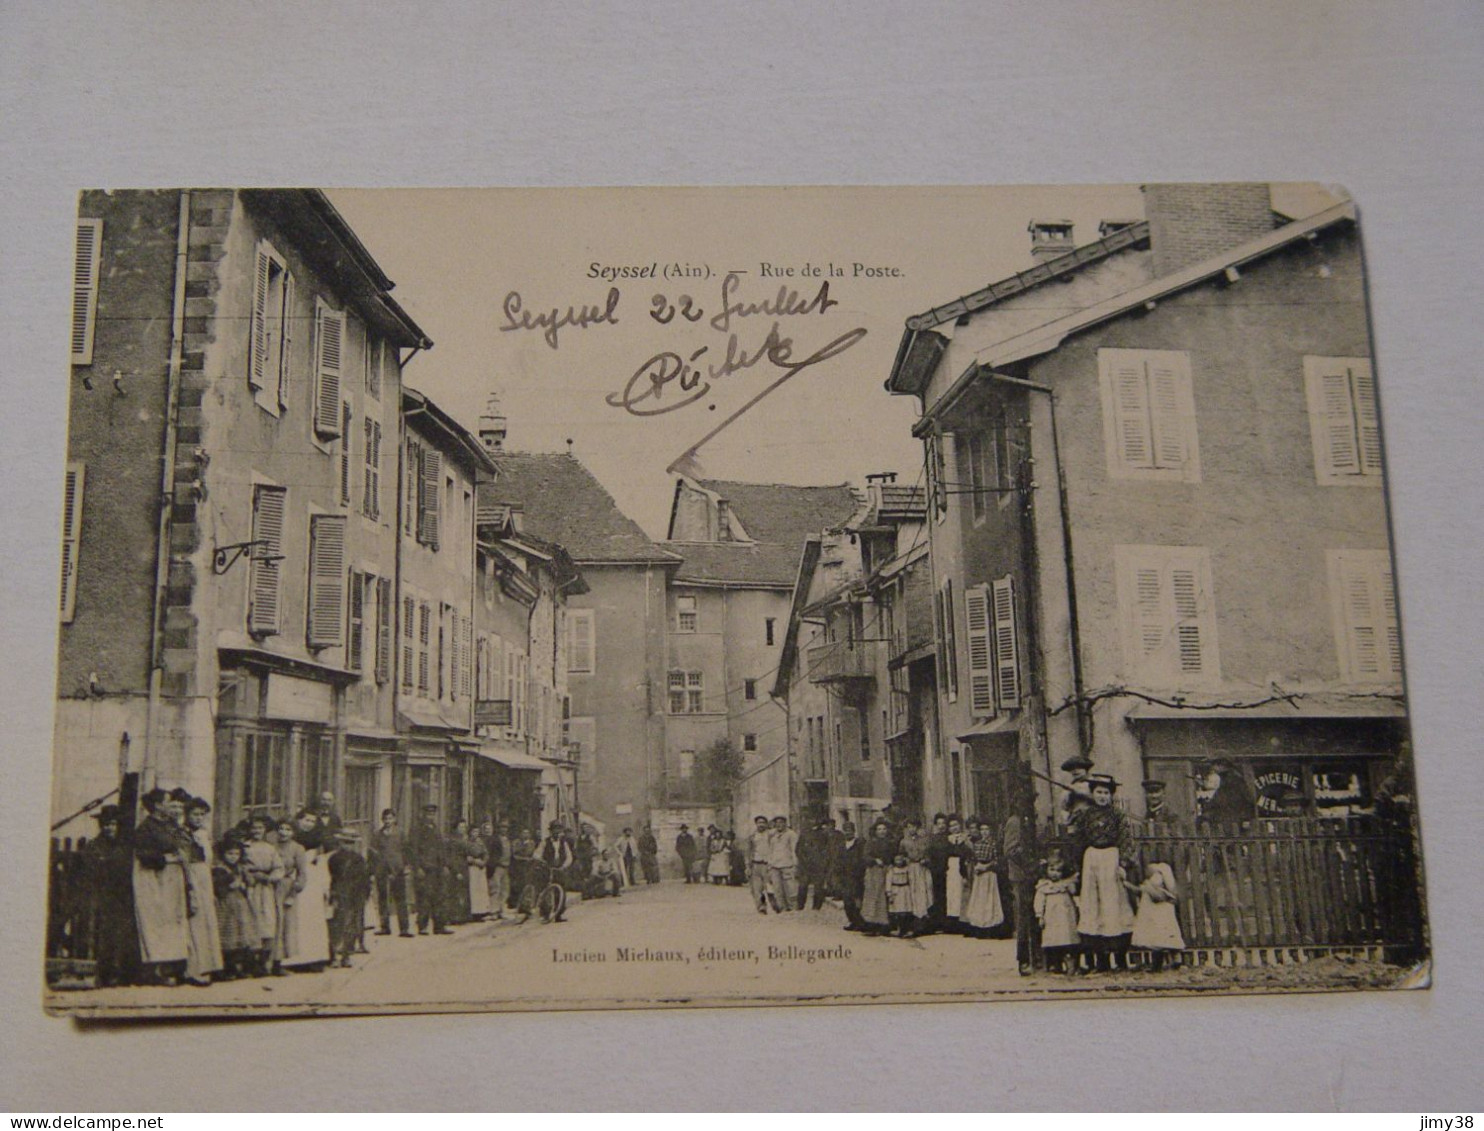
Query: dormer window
x=723, y=521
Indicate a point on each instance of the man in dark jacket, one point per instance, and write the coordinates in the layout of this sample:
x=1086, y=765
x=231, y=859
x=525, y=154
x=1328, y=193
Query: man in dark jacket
x=649, y=855
x=108, y=872
x=852, y=876
x=390, y=867
x=812, y=851
x=350, y=887
x=427, y=853
x=685, y=848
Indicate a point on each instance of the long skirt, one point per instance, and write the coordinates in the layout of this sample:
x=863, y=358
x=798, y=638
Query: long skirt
x=306, y=927
x=160, y=911
x=1104, y=907
x=984, y=909
x=720, y=866
x=479, y=890
x=1157, y=927
x=953, y=896
x=873, y=898
x=204, y=933
x=920, y=885
x=237, y=923
x=497, y=882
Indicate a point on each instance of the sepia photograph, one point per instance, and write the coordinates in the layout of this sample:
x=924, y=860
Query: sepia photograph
x=665, y=597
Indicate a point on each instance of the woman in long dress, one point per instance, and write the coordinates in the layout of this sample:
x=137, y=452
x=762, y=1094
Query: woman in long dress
x=983, y=909
x=1105, y=846
x=205, y=937
x=263, y=873
x=476, y=850
x=719, y=863
x=306, y=932
x=915, y=846
x=881, y=851
x=160, y=900
x=954, y=889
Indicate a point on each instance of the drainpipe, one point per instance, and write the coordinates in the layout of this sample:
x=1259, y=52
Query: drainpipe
x=167, y=498
x=1084, y=720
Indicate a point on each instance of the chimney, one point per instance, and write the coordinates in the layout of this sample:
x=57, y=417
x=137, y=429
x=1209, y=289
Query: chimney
x=1191, y=222
x=1050, y=239
x=492, y=426
x=875, y=482
x=1107, y=227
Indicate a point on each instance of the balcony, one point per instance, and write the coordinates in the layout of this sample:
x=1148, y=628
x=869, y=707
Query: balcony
x=842, y=662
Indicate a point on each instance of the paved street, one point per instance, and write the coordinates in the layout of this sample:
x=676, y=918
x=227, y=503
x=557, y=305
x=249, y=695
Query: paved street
x=668, y=944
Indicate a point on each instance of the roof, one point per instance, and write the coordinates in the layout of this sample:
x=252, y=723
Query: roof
x=324, y=237
x=768, y=565
x=897, y=504
x=455, y=437
x=564, y=503
x=783, y=513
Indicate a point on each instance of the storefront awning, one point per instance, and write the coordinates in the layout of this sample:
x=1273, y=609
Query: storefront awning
x=513, y=759
x=413, y=712
x=1305, y=707
x=999, y=725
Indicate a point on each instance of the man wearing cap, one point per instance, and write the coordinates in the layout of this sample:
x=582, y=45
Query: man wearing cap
x=1104, y=844
x=1159, y=818
x=427, y=853
x=390, y=867
x=108, y=867
x=350, y=887
x=685, y=848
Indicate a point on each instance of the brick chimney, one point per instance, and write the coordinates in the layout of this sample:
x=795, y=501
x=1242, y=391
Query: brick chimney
x=1050, y=239
x=1191, y=222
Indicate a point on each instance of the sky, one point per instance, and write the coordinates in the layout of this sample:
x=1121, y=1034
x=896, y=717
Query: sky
x=457, y=255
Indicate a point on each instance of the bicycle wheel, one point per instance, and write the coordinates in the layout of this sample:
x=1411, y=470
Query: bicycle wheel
x=552, y=902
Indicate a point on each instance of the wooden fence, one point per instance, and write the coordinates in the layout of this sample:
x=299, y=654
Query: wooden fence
x=70, y=925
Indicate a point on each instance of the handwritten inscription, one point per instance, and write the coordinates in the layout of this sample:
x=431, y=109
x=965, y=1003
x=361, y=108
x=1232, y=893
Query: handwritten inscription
x=550, y=322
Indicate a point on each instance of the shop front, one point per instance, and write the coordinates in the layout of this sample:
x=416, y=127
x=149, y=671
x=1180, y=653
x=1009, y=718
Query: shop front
x=507, y=786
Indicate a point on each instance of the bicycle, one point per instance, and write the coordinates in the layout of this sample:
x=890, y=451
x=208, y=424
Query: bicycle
x=543, y=894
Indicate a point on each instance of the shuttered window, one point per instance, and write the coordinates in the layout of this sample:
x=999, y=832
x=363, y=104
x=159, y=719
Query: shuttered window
x=271, y=327
x=329, y=348
x=1343, y=420
x=1149, y=414
x=355, y=640
x=327, y=581
x=412, y=488
x=371, y=481
x=947, y=641
x=424, y=636
x=409, y=638
x=1006, y=643
x=88, y=251
x=1169, y=618
x=1368, y=635
x=71, y=537
x=429, y=498
x=582, y=642
x=466, y=676
x=383, y=629
x=981, y=671
x=346, y=421
x=375, y=359
x=263, y=567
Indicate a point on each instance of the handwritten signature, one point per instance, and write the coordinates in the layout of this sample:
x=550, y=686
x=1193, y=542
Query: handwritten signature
x=643, y=393
x=551, y=322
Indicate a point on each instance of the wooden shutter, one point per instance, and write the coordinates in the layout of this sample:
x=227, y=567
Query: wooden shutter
x=432, y=487
x=1368, y=598
x=257, y=367
x=264, y=576
x=71, y=537
x=1367, y=419
x=326, y=580
x=1151, y=615
x=383, y=629
x=1169, y=391
x=951, y=625
x=580, y=644
x=345, y=434
x=1006, y=644
x=1133, y=429
x=981, y=677
x=329, y=343
x=371, y=482
x=1187, y=602
x=466, y=680
x=424, y=631
x=356, y=632
x=85, y=289
x=409, y=616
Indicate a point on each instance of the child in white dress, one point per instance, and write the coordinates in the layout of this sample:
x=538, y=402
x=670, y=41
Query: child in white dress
x=1156, y=927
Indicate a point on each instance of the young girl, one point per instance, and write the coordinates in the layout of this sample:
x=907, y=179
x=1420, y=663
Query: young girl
x=1056, y=912
x=241, y=937
x=899, y=897
x=1156, y=927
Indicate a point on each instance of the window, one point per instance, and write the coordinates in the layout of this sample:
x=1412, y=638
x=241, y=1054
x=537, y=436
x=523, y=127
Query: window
x=443, y=659
x=685, y=614
x=723, y=521
x=864, y=735
x=677, y=693
x=424, y=637
x=749, y=689
x=272, y=322
x=1169, y=618
x=686, y=692
x=375, y=360
x=85, y=289
x=978, y=480
x=993, y=647
x=263, y=560
x=1343, y=420
x=264, y=771
x=769, y=631
x=409, y=636
x=329, y=343
x=326, y=612
x=581, y=641
x=749, y=742
x=412, y=488
x=317, y=771
x=383, y=629
x=71, y=537
x=466, y=646
x=686, y=762
x=355, y=638
x=1149, y=415
x=947, y=640
x=584, y=736
x=1367, y=634
x=371, y=481
x=428, y=497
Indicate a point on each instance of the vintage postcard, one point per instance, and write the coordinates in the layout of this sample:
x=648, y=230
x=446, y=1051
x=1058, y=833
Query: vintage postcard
x=724, y=596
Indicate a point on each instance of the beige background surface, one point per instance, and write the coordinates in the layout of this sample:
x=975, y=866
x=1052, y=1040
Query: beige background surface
x=1382, y=98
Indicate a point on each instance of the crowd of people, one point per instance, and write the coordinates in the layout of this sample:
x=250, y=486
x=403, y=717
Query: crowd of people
x=168, y=905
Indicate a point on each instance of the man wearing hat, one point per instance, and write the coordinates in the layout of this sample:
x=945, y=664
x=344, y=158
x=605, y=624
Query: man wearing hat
x=390, y=867
x=1159, y=818
x=1232, y=801
x=108, y=875
x=685, y=848
x=1104, y=844
x=350, y=887
x=427, y=852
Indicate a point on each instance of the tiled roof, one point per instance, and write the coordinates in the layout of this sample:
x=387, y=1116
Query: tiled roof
x=897, y=504
x=784, y=514
x=772, y=564
x=565, y=504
